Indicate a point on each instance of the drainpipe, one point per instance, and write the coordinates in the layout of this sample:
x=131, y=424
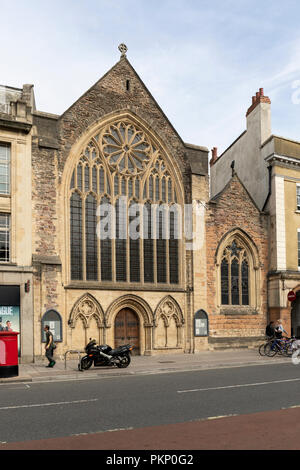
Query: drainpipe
x=270, y=187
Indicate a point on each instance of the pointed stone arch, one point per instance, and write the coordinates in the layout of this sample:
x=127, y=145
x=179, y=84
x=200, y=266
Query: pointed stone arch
x=245, y=240
x=168, y=310
x=168, y=169
x=86, y=308
x=246, y=246
x=139, y=305
x=132, y=114
x=144, y=314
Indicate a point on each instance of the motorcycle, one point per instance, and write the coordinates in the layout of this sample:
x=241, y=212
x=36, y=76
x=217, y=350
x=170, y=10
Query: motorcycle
x=104, y=355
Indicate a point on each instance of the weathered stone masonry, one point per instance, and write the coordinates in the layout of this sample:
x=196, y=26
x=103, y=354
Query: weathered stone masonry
x=165, y=313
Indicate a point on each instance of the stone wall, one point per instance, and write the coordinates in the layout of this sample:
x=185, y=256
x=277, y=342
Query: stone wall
x=56, y=145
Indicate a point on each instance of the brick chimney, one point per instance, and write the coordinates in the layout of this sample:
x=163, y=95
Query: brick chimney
x=257, y=99
x=259, y=117
x=214, y=155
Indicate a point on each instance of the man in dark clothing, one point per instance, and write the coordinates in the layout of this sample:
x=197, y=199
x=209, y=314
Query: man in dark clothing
x=270, y=329
x=49, y=346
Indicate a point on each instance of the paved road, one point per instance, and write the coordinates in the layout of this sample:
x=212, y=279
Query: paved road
x=169, y=406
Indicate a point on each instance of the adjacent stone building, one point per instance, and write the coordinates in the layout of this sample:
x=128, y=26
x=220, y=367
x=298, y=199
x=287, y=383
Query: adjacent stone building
x=110, y=163
x=268, y=166
x=16, y=213
x=283, y=204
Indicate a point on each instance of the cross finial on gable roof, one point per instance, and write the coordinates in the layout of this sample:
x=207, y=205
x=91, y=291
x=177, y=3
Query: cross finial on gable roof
x=123, y=49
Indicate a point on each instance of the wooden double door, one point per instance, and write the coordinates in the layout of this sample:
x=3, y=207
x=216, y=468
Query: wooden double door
x=127, y=329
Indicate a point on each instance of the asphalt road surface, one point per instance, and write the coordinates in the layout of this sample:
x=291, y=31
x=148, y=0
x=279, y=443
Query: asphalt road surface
x=238, y=408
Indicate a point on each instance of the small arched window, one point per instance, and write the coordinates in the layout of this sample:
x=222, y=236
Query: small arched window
x=235, y=274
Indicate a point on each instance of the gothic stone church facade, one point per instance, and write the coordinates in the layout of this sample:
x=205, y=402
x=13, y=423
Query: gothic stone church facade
x=162, y=294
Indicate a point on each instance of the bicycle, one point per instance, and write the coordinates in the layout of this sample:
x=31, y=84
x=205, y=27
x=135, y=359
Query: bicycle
x=279, y=346
x=261, y=348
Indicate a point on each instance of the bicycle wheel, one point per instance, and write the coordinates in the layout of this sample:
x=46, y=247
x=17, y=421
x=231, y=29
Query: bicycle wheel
x=261, y=349
x=270, y=349
x=288, y=350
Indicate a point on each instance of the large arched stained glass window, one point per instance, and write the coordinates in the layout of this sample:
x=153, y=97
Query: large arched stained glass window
x=118, y=230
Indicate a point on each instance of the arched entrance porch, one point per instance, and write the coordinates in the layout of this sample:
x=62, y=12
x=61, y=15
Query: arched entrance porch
x=138, y=316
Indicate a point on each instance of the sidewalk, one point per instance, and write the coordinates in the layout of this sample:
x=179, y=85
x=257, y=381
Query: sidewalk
x=166, y=363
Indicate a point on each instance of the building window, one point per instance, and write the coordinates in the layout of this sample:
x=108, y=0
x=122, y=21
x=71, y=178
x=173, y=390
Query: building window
x=235, y=275
x=123, y=189
x=4, y=168
x=4, y=237
x=76, y=236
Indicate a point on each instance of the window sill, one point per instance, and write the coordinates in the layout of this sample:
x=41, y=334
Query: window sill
x=238, y=310
x=125, y=286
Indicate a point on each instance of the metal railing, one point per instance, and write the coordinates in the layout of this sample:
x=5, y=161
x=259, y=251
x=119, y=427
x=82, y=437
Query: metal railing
x=73, y=351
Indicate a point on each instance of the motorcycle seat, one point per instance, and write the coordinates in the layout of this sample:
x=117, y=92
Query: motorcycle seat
x=118, y=350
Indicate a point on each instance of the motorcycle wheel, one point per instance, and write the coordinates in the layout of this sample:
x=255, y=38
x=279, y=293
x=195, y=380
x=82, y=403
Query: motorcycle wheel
x=85, y=363
x=124, y=362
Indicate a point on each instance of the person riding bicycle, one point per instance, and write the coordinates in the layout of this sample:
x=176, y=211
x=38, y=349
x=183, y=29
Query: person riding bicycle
x=270, y=330
x=279, y=330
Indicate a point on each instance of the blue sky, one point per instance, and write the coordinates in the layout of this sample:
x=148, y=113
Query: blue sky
x=202, y=60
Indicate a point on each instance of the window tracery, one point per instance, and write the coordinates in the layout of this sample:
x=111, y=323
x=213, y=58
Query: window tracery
x=122, y=162
x=235, y=284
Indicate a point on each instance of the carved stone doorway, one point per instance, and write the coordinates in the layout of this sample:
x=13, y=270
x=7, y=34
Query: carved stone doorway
x=127, y=329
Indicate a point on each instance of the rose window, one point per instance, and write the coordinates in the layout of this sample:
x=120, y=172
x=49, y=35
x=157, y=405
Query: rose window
x=126, y=148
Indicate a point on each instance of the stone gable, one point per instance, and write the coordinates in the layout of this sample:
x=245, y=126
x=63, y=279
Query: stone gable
x=110, y=95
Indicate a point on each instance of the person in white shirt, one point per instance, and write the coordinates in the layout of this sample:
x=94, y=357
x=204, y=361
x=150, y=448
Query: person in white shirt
x=279, y=330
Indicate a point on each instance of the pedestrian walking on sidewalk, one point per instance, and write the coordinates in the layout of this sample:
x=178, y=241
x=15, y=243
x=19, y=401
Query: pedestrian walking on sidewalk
x=49, y=346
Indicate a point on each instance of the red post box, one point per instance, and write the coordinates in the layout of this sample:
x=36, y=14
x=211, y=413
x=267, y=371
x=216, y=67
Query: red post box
x=9, y=364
